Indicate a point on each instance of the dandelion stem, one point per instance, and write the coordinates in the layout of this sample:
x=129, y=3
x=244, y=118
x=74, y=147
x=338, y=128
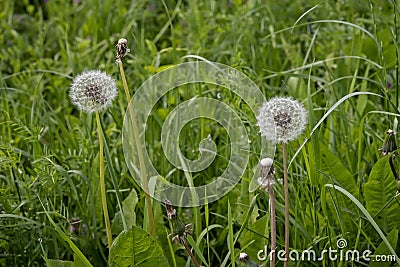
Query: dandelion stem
x=183, y=241
x=273, y=223
x=139, y=150
x=286, y=188
x=102, y=182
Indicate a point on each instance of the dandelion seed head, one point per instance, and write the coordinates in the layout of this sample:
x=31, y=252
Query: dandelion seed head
x=282, y=119
x=93, y=91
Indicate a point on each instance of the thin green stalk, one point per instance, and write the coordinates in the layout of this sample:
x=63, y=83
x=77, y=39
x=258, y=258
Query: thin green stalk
x=114, y=181
x=286, y=187
x=139, y=150
x=102, y=182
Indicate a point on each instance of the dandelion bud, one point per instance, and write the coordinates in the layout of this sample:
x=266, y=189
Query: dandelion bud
x=171, y=212
x=282, y=119
x=122, y=48
x=389, y=145
x=93, y=91
x=267, y=177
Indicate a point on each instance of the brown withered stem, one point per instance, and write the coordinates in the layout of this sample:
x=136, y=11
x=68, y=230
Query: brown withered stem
x=266, y=182
x=286, y=189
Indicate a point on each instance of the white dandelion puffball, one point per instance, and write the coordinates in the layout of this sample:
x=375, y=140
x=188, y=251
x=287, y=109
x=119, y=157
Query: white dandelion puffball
x=93, y=91
x=282, y=119
x=266, y=162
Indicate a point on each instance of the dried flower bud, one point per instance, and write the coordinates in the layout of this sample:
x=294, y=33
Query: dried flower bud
x=267, y=177
x=122, y=48
x=93, y=91
x=180, y=230
x=282, y=119
x=171, y=212
x=389, y=145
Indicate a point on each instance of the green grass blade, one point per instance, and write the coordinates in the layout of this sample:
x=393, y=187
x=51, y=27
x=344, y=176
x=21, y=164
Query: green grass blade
x=368, y=216
x=64, y=237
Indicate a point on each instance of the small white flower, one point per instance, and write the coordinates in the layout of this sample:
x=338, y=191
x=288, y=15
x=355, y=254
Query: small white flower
x=282, y=119
x=242, y=256
x=93, y=91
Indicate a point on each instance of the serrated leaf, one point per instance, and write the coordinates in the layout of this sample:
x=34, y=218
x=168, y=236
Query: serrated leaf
x=136, y=247
x=379, y=192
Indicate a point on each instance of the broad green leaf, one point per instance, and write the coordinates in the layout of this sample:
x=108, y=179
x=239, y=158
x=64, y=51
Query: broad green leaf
x=128, y=207
x=368, y=217
x=379, y=192
x=58, y=263
x=257, y=232
x=337, y=173
x=382, y=249
x=136, y=247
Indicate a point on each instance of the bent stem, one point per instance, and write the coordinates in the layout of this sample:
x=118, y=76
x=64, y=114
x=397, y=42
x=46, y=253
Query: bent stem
x=102, y=182
x=139, y=150
x=286, y=188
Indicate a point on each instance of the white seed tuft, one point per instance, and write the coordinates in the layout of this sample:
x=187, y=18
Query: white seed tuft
x=282, y=119
x=93, y=91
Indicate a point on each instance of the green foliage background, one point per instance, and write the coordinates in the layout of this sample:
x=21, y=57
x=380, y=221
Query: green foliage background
x=319, y=52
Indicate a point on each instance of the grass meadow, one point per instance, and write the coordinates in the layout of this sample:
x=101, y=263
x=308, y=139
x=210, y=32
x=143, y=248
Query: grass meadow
x=338, y=58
